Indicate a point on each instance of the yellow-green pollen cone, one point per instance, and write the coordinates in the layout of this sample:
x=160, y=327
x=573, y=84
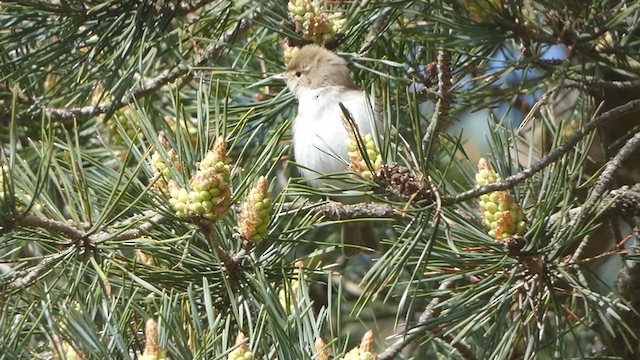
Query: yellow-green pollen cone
x=501, y=213
x=255, y=214
x=364, y=351
x=313, y=22
x=242, y=351
x=209, y=194
x=357, y=162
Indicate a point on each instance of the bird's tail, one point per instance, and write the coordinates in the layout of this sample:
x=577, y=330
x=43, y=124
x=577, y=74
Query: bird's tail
x=359, y=237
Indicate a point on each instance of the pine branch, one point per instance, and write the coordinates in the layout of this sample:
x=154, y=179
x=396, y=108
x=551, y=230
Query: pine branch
x=22, y=279
x=554, y=155
x=339, y=211
x=182, y=73
x=430, y=312
x=604, y=181
x=622, y=201
x=33, y=221
x=607, y=84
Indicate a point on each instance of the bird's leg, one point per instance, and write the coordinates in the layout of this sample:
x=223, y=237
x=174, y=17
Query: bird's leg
x=334, y=207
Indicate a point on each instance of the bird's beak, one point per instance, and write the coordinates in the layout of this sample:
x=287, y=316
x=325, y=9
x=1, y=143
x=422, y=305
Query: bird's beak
x=268, y=79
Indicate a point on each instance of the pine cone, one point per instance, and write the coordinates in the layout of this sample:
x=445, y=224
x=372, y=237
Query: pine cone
x=401, y=181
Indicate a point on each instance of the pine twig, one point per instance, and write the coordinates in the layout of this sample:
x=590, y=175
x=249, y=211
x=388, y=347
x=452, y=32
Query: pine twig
x=554, y=155
x=374, y=32
x=227, y=259
x=443, y=106
x=625, y=200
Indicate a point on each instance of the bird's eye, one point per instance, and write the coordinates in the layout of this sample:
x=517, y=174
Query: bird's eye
x=298, y=73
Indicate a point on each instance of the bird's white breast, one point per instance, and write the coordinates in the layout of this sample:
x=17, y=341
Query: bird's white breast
x=320, y=138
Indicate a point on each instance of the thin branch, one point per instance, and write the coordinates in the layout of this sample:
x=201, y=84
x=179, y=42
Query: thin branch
x=183, y=8
x=511, y=181
x=227, y=259
x=430, y=312
x=441, y=113
x=374, y=32
x=9, y=93
x=600, y=83
x=182, y=72
x=23, y=279
x=604, y=181
x=606, y=178
x=76, y=235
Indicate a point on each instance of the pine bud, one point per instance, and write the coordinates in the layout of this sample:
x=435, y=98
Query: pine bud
x=367, y=342
x=143, y=258
x=5, y=181
x=242, y=351
x=364, y=351
x=217, y=158
x=255, y=214
x=151, y=349
x=289, y=51
x=209, y=196
x=502, y=214
x=322, y=350
x=123, y=122
x=161, y=167
x=289, y=295
x=161, y=170
x=485, y=174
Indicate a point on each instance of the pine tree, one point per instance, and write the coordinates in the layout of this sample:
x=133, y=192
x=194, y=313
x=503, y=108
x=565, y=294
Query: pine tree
x=150, y=207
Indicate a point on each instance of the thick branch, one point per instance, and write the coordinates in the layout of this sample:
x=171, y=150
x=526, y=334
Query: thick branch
x=511, y=181
x=338, y=211
x=51, y=225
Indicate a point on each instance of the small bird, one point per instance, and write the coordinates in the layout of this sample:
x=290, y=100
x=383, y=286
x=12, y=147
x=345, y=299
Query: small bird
x=320, y=80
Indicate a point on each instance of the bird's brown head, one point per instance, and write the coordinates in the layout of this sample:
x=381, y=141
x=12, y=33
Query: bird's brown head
x=314, y=67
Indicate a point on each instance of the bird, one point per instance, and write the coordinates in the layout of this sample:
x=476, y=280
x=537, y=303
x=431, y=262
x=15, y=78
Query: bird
x=321, y=81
